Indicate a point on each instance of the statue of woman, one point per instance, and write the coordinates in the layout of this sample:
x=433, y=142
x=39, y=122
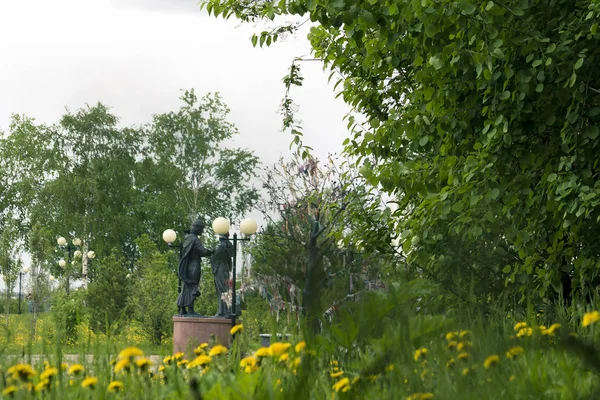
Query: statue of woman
x=221, y=266
x=190, y=269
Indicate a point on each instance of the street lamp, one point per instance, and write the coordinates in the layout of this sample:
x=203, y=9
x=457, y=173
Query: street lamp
x=248, y=228
x=74, y=253
x=23, y=271
x=169, y=236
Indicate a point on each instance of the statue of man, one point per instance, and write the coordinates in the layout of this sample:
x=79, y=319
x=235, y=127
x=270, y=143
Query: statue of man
x=190, y=269
x=221, y=267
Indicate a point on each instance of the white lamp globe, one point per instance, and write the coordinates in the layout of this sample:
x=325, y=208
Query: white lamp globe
x=62, y=263
x=169, y=236
x=248, y=227
x=61, y=241
x=91, y=254
x=77, y=242
x=25, y=269
x=77, y=254
x=51, y=278
x=221, y=226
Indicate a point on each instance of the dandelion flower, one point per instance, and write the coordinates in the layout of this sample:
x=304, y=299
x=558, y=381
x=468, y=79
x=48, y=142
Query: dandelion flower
x=451, y=335
x=75, y=369
x=182, y=362
x=278, y=348
x=64, y=366
x=336, y=374
x=9, y=390
x=466, y=371
x=42, y=385
x=389, y=368
x=463, y=334
x=89, y=382
x=236, y=329
x=300, y=346
x=463, y=345
x=21, y=371
x=248, y=361
x=168, y=359
x=420, y=396
x=450, y=362
x=341, y=385
x=284, y=357
x=48, y=373
x=178, y=355
x=512, y=378
x=463, y=356
x=143, y=363
x=491, y=361
x=217, y=350
x=117, y=386
x=123, y=365
x=263, y=352
x=199, y=361
x=420, y=353
x=525, y=332
x=130, y=352
x=520, y=325
x=452, y=344
x=590, y=318
x=514, y=351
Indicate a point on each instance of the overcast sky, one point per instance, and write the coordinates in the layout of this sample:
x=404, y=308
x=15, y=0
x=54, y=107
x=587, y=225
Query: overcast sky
x=137, y=55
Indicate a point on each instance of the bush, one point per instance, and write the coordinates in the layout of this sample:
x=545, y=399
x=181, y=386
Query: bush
x=68, y=311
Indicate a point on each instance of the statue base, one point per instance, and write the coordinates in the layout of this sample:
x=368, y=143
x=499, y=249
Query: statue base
x=189, y=332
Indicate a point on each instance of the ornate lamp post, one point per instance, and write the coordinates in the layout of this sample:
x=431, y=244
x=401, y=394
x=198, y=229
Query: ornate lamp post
x=23, y=271
x=248, y=228
x=74, y=253
x=169, y=236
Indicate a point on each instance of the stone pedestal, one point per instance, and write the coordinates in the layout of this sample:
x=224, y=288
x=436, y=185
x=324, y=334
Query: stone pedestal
x=189, y=332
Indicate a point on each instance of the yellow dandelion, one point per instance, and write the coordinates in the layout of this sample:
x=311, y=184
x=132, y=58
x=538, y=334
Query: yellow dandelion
x=491, y=361
x=296, y=362
x=42, y=385
x=424, y=374
x=199, y=361
x=250, y=368
x=512, y=378
x=341, y=384
x=236, y=329
x=123, y=365
x=49, y=373
x=590, y=318
x=452, y=344
x=451, y=335
x=463, y=345
x=75, y=369
x=466, y=371
x=203, y=345
x=168, y=359
x=248, y=361
x=64, y=366
x=514, y=351
x=217, y=350
x=520, y=325
x=373, y=378
x=553, y=327
x=161, y=368
x=284, y=357
x=263, y=352
x=300, y=346
x=21, y=372
x=143, y=363
x=420, y=353
x=9, y=390
x=130, y=352
x=336, y=374
x=198, y=350
x=389, y=368
x=89, y=382
x=420, y=396
x=178, y=355
x=464, y=333
x=278, y=348
x=450, y=362
x=182, y=363
x=463, y=356
x=525, y=332
x=117, y=386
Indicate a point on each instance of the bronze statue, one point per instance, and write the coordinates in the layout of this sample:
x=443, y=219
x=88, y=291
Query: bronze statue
x=221, y=267
x=190, y=269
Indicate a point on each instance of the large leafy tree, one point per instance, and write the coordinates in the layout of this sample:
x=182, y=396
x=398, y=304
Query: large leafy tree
x=482, y=119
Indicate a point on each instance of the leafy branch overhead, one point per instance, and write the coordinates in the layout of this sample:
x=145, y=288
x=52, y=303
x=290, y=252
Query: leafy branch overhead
x=483, y=124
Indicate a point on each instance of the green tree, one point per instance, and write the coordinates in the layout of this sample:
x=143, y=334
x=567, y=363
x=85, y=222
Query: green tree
x=482, y=119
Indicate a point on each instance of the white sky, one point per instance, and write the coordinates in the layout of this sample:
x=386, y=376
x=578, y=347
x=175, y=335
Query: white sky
x=137, y=55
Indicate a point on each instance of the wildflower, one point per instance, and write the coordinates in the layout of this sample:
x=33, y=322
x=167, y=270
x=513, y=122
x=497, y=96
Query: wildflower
x=342, y=385
x=520, y=325
x=168, y=359
x=116, y=386
x=279, y=348
x=514, y=351
x=178, y=356
x=75, y=369
x=21, y=371
x=420, y=396
x=389, y=368
x=553, y=328
x=512, y=378
x=48, y=373
x=248, y=361
x=64, y=366
x=451, y=335
x=236, y=329
x=463, y=356
x=182, y=362
x=463, y=345
x=9, y=390
x=491, y=360
x=123, y=365
x=46, y=364
x=300, y=346
x=424, y=373
x=450, y=362
x=42, y=385
x=452, y=344
x=199, y=361
x=130, y=352
x=161, y=368
x=263, y=352
x=284, y=357
x=463, y=334
x=373, y=378
x=336, y=374
x=89, y=382
x=143, y=363
x=203, y=345
x=217, y=350
x=355, y=380
x=590, y=318
x=250, y=369
x=296, y=362
x=525, y=332
x=420, y=353
x=466, y=371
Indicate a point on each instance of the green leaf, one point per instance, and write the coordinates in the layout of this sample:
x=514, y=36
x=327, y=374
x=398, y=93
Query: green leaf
x=591, y=132
x=539, y=88
x=424, y=140
x=436, y=62
x=578, y=64
x=551, y=48
x=466, y=7
x=506, y=269
x=536, y=63
x=494, y=193
x=375, y=123
x=504, y=95
x=552, y=177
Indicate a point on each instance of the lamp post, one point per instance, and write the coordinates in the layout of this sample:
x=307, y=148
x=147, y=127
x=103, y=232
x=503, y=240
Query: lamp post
x=74, y=252
x=248, y=228
x=23, y=271
x=169, y=236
